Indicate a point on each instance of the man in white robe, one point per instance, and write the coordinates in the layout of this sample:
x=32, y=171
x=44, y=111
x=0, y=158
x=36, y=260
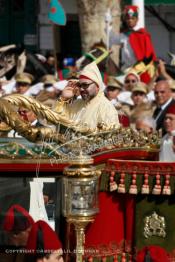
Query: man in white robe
x=94, y=109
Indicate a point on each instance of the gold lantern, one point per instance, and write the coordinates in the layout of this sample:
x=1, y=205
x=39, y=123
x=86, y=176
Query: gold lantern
x=80, y=197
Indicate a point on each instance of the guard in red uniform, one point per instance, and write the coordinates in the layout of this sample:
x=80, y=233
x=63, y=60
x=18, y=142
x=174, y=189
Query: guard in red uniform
x=136, y=44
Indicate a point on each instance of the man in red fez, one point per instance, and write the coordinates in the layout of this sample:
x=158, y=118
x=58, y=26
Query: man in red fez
x=17, y=225
x=12, y=191
x=93, y=109
x=136, y=44
x=167, y=151
x=43, y=244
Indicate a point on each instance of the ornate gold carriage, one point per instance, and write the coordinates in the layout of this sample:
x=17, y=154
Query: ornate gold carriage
x=136, y=206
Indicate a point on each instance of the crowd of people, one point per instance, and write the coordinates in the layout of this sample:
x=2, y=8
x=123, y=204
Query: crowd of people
x=138, y=104
x=141, y=98
x=143, y=101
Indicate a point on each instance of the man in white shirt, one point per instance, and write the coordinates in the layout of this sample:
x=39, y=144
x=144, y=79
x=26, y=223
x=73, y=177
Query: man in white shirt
x=167, y=151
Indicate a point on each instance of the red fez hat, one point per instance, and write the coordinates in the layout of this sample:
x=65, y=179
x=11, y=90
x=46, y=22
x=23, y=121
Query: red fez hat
x=84, y=77
x=130, y=11
x=17, y=219
x=42, y=238
x=156, y=253
x=171, y=110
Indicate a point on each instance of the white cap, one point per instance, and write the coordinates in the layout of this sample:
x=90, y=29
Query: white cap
x=92, y=72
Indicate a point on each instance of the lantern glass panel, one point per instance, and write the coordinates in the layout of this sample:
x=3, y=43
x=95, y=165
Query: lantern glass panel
x=80, y=196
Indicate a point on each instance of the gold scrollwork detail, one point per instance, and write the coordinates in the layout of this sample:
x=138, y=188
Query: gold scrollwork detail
x=154, y=225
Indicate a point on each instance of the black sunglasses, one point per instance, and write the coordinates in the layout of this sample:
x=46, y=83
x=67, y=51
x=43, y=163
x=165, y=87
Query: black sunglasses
x=84, y=85
x=130, y=81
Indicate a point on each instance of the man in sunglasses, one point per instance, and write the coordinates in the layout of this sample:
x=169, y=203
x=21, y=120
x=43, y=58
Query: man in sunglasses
x=23, y=82
x=131, y=79
x=93, y=110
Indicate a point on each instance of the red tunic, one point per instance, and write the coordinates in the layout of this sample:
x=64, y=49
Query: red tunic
x=142, y=46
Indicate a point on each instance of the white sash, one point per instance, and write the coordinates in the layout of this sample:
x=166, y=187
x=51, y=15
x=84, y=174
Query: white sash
x=37, y=208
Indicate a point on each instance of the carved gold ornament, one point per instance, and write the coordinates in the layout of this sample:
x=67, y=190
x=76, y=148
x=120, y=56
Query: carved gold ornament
x=68, y=138
x=154, y=225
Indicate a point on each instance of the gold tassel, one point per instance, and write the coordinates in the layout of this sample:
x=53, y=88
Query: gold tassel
x=112, y=184
x=167, y=188
x=157, y=187
x=121, y=187
x=145, y=187
x=133, y=187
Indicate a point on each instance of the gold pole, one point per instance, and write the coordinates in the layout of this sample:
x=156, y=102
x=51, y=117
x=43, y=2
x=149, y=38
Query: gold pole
x=67, y=244
x=80, y=224
x=80, y=237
